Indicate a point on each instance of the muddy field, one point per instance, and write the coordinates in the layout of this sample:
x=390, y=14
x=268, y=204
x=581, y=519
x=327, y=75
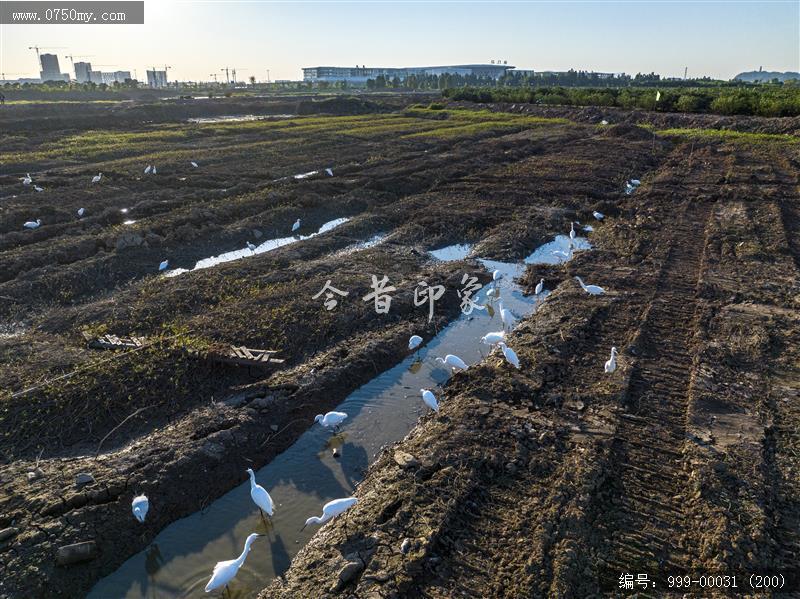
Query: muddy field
x=549, y=480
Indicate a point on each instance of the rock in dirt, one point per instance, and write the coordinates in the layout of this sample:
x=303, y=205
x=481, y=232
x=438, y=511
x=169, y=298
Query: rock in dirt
x=350, y=571
x=405, y=460
x=83, y=479
x=76, y=553
x=35, y=474
x=7, y=533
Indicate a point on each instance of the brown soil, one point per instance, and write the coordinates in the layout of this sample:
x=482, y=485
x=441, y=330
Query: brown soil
x=531, y=483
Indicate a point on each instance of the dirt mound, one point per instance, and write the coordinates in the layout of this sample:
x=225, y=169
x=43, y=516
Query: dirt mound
x=628, y=131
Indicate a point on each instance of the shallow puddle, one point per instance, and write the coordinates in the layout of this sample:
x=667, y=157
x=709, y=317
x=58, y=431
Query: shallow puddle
x=235, y=118
x=301, y=479
x=246, y=252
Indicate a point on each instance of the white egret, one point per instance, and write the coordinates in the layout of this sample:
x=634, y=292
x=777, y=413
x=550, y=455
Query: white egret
x=636, y=182
x=492, y=293
x=225, y=571
x=331, y=510
x=296, y=225
x=147, y=169
x=430, y=399
x=37, y=188
x=329, y=171
x=33, y=224
x=139, y=507
x=163, y=265
x=453, y=362
x=251, y=246
x=194, y=164
x=539, y=287
x=572, y=230
x=414, y=342
x=604, y=122
x=493, y=338
x=611, y=365
x=509, y=354
x=81, y=212
x=506, y=316
x=154, y=169
x=260, y=496
x=496, y=276
x=591, y=289
x=561, y=254
x=26, y=180
x=331, y=419
x=97, y=177
x=598, y=215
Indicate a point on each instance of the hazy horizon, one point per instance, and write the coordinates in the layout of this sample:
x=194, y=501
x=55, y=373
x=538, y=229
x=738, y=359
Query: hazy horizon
x=713, y=38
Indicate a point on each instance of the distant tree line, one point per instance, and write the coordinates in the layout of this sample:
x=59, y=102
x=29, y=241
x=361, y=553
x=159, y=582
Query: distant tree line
x=739, y=99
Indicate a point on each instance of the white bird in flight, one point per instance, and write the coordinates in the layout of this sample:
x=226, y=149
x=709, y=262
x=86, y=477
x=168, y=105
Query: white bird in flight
x=260, y=496
x=598, y=215
x=331, y=510
x=225, y=571
x=81, y=212
x=26, y=180
x=430, y=399
x=163, y=265
x=493, y=338
x=591, y=289
x=509, y=354
x=139, y=507
x=296, y=225
x=539, y=287
x=194, y=164
x=331, y=419
x=611, y=364
x=33, y=224
x=453, y=362
x=414, y=342
x=97, y=177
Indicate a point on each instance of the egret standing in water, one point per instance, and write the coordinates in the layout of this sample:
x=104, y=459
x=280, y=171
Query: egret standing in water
x=539, y=287
x=331, y=419
x=296, y=225
x=591, y=289
x=454, y=362
x=26, y=180
x=97, y=177
x=509, y=354
x=147, y=169
x=81, y=212
x=611, y=365
x=506, y=316
x=414, y=342
x=139, y=507
x=163, y=265
x=430, y=399
x=329, y=171
x=572, y=230
x=251, y=246
x=260, y=496
x=224, y=572
x=331, y=510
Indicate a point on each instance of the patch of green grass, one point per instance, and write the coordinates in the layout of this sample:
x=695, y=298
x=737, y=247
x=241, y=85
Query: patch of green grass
x=732, y=136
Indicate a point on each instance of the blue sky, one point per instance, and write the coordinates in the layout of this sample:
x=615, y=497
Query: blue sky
x=197, y=38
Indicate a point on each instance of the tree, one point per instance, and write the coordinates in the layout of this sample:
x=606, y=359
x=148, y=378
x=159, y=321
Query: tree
x=252, y=80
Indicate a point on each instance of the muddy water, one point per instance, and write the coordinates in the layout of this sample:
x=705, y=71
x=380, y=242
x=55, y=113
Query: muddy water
x=305, y=476
x=264, y=246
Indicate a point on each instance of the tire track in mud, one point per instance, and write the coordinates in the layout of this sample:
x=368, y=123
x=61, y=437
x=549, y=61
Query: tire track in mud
x=645, y=495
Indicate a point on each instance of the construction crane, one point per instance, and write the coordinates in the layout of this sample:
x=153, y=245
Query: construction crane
x=37, y=48
x=214, y=75
x=70, y=56
x=227, y=75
